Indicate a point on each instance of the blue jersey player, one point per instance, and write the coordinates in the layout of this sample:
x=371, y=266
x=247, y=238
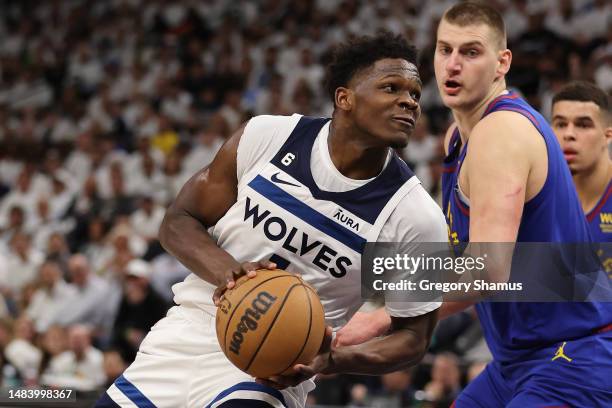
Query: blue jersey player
x=582, y=121
x=506, y=180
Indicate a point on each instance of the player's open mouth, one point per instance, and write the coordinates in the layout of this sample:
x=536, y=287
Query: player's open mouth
x=451, y=87
x=569, y=154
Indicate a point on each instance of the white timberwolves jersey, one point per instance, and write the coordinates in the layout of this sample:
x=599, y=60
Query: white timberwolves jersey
x=284, y=214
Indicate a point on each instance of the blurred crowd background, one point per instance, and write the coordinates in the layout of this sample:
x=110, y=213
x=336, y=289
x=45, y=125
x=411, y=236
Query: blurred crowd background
x=107, y=107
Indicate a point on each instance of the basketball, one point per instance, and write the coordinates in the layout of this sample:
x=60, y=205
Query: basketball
x=267, y=324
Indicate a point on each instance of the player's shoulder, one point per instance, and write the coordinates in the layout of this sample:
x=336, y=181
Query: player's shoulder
x=261, y=138
x=505, y=130
x=417, y=217
x=271, y=124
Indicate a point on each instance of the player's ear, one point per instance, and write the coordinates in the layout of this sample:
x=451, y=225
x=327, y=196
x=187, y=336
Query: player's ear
x=344, y=98
x=503, y=62
x=608, y=133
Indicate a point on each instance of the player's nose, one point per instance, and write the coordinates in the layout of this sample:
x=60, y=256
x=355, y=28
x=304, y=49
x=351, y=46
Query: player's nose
x=569, y=133
x=453, y=62
x=407, y=102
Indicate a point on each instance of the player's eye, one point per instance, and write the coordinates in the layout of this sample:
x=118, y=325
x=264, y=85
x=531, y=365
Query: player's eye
x=472, y=52
x=444, y=50
x=389, y=88
x=559, y=125
x=416, y=95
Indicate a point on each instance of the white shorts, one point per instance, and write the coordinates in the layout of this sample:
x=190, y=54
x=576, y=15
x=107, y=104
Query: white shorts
x=180, y=364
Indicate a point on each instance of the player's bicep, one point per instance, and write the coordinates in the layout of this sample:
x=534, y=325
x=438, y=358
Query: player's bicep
x=209, y=193
x=498, y=169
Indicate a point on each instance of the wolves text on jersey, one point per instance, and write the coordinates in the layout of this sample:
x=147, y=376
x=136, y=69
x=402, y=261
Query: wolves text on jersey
x=296, y=241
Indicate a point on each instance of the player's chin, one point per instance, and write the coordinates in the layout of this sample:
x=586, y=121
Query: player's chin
x=398, y=141
x=451, y=101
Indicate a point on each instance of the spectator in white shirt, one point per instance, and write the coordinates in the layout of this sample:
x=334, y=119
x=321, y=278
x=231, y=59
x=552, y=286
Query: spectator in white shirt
x=80, y=367
x=15, y=223
x=49, y=297
x=54, y=342
x=79, y=162
x=145, y=221
x=23, y=263
x=89, y=304
x=22, y=353
x=206, y=147
x=146, y=179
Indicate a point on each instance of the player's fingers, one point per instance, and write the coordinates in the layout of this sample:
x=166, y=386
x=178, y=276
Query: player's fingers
x=304, y=370
x=217, y=295
x=249, y=269
x=267, y=264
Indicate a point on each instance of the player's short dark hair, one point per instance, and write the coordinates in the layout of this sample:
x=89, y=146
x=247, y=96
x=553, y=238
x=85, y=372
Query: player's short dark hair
x=583, y=91
x=476, y=12
x=362, y=52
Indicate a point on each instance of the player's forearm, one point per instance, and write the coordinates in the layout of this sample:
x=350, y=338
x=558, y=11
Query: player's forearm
x=400, y=349
x=188, y=240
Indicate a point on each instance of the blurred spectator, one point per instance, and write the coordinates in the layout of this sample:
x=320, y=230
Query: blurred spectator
x=397, y=389
x=445, y=384
x=166, y=138
x=206, y=147
x=175, y=176
x=79, y=161
x=53, y=343
x=58, y=251
x=140, y=308
x=14, y=224
x=10, y=374
x=22, y=266
x=96, y=248
x=145, y=222
x=49, y=297
x=24, y=195
x=81, y=367
x=89, y=304
x=22, y=353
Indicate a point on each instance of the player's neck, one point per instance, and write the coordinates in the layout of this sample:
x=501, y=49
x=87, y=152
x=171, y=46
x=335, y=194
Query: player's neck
x=591, y=185
x=467, y=119
x=352, y=157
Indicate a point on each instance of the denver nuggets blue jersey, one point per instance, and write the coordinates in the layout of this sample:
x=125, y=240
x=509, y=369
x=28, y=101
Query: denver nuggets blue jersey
x=553, y=215
x=600, y=223
x=281, y=214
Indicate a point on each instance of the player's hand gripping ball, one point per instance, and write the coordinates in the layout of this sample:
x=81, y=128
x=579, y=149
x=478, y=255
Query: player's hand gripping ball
x=269, y=323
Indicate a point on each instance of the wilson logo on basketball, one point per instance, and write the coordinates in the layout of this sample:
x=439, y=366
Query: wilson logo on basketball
x=260, y=305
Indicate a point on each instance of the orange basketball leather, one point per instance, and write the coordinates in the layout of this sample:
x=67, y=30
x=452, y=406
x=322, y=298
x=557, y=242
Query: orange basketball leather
x=269, y=323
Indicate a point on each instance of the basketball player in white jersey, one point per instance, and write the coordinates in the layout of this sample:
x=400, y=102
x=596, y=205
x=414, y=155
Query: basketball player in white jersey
x=305, y=195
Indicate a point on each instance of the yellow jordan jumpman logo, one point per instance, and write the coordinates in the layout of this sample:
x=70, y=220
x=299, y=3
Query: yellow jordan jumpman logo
x=561, y=354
